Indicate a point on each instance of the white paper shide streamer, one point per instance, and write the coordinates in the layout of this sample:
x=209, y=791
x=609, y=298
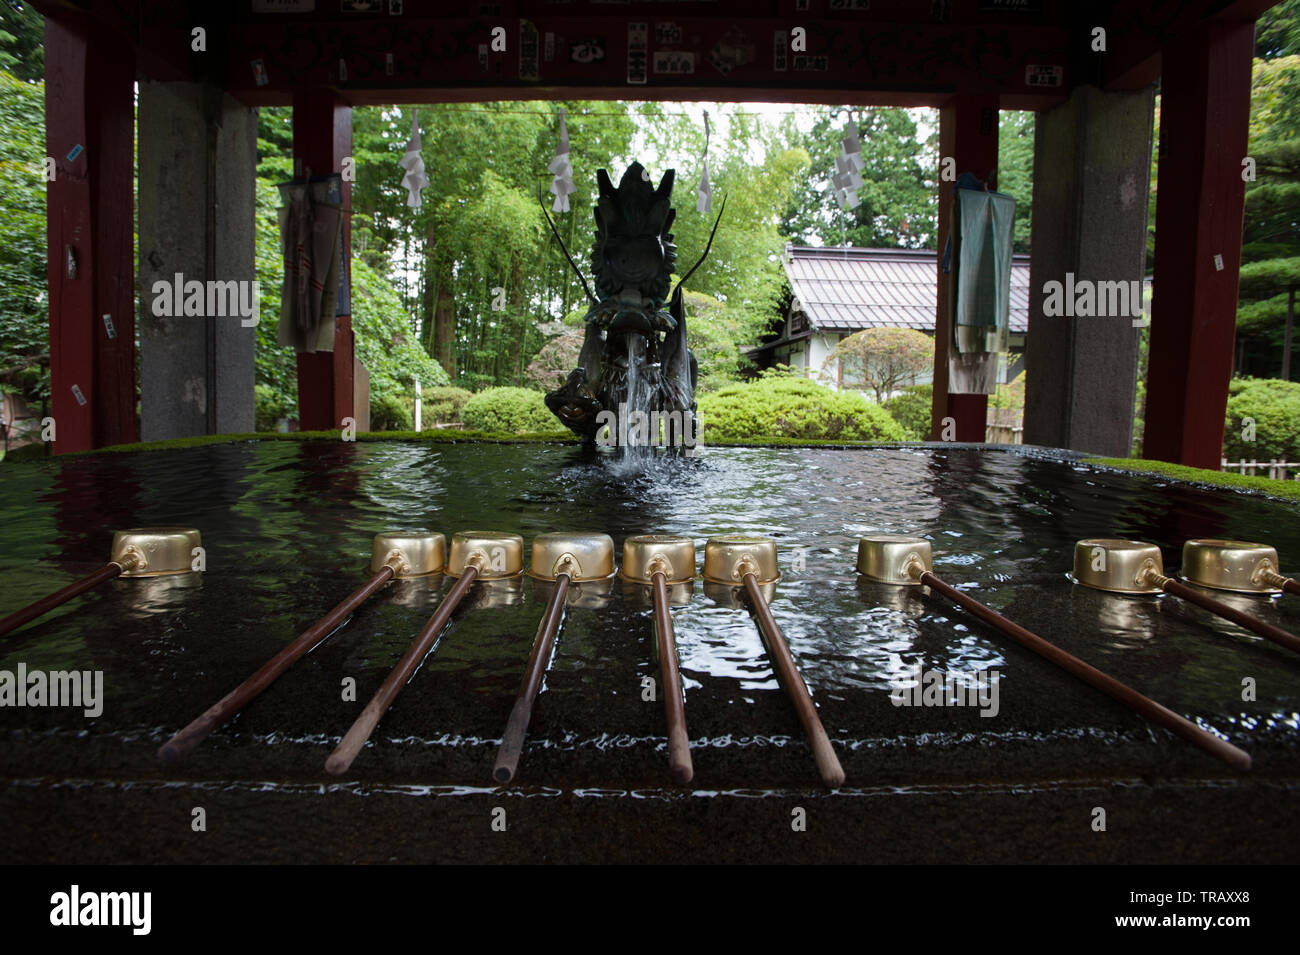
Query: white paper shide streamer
x=561, y=170
x=847, y=178
x=704, y=191
x=411, y=161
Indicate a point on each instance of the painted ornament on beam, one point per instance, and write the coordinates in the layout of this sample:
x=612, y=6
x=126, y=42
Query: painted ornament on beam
x=590, y=50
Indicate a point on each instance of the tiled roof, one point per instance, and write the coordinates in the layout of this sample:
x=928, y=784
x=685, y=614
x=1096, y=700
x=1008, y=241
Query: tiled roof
x=849, y=289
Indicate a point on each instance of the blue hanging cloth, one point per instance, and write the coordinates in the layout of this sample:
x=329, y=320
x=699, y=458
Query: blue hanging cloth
x=985, y=222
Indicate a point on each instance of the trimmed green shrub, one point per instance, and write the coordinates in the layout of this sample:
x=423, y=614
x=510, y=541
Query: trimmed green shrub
x=509, y=411
x=389, y=412
x=1275, y=407
x=443, y=405
x=272, y=405
x=911, y=410
x=778, y=407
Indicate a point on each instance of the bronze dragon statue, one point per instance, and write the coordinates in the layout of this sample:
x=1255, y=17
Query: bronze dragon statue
x=634, y=349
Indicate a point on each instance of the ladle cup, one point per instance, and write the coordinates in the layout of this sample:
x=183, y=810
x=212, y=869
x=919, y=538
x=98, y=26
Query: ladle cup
x=1239, y=566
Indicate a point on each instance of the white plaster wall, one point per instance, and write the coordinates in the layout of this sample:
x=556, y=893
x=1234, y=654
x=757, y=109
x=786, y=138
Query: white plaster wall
x=820, y=345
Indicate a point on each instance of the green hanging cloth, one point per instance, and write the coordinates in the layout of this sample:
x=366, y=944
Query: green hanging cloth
x=981, y=288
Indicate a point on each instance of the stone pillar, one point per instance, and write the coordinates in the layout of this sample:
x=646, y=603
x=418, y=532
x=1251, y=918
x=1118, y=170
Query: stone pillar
x=1092, y=172
x=198, y=173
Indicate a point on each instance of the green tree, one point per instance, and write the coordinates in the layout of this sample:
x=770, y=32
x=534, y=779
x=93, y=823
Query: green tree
x=386, y=342
x=276, y=365
x=717, y=335
x=881, y=360
x=1277, y=31
x=22, y=41
x=556, y=359
x=480, y=227
x=741, y=282
x=24, y=334
x=1270, y=271
x=1016, y=168
x=898, y=199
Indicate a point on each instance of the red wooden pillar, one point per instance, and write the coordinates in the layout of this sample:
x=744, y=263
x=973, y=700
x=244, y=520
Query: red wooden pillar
x=90, y=133
x=968, y=134
x=1204, y=115
x=322, y=138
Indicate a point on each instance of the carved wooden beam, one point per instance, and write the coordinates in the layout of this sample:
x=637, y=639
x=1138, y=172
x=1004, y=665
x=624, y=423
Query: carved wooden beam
x=404, y=59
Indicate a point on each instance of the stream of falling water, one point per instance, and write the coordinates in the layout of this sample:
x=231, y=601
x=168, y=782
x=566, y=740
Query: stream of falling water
x=639, y=448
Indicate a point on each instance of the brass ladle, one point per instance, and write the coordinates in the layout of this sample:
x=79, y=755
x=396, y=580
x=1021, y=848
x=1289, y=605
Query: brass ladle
x=140, y=552
x=475, y=555
x=906, y=561
x=751, y=562
x=1136, y=567
x=392, y=556
x=662, y=561
x=563, y=558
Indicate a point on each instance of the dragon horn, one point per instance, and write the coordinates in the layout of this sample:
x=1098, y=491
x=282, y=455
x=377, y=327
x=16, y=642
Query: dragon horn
x=682, y=280
x=555, y=232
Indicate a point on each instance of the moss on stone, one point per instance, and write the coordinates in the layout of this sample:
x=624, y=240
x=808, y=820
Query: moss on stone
x=1222, y=479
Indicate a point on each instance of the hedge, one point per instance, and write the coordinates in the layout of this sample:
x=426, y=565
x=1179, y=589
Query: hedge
x=443, y=405
x=509, y=411
x=1274, y=405
x=389, y=412
x=781, y=407
x=911, y=410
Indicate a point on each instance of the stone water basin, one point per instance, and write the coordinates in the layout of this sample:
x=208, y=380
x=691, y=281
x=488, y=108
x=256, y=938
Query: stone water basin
x=287, y=529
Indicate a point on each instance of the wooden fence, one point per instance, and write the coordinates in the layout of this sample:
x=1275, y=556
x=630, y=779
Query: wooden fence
x=1275, y=469
x=1004, y=426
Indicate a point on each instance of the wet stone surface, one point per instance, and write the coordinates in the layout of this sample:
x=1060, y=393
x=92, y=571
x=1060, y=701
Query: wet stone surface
x=287, y=530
